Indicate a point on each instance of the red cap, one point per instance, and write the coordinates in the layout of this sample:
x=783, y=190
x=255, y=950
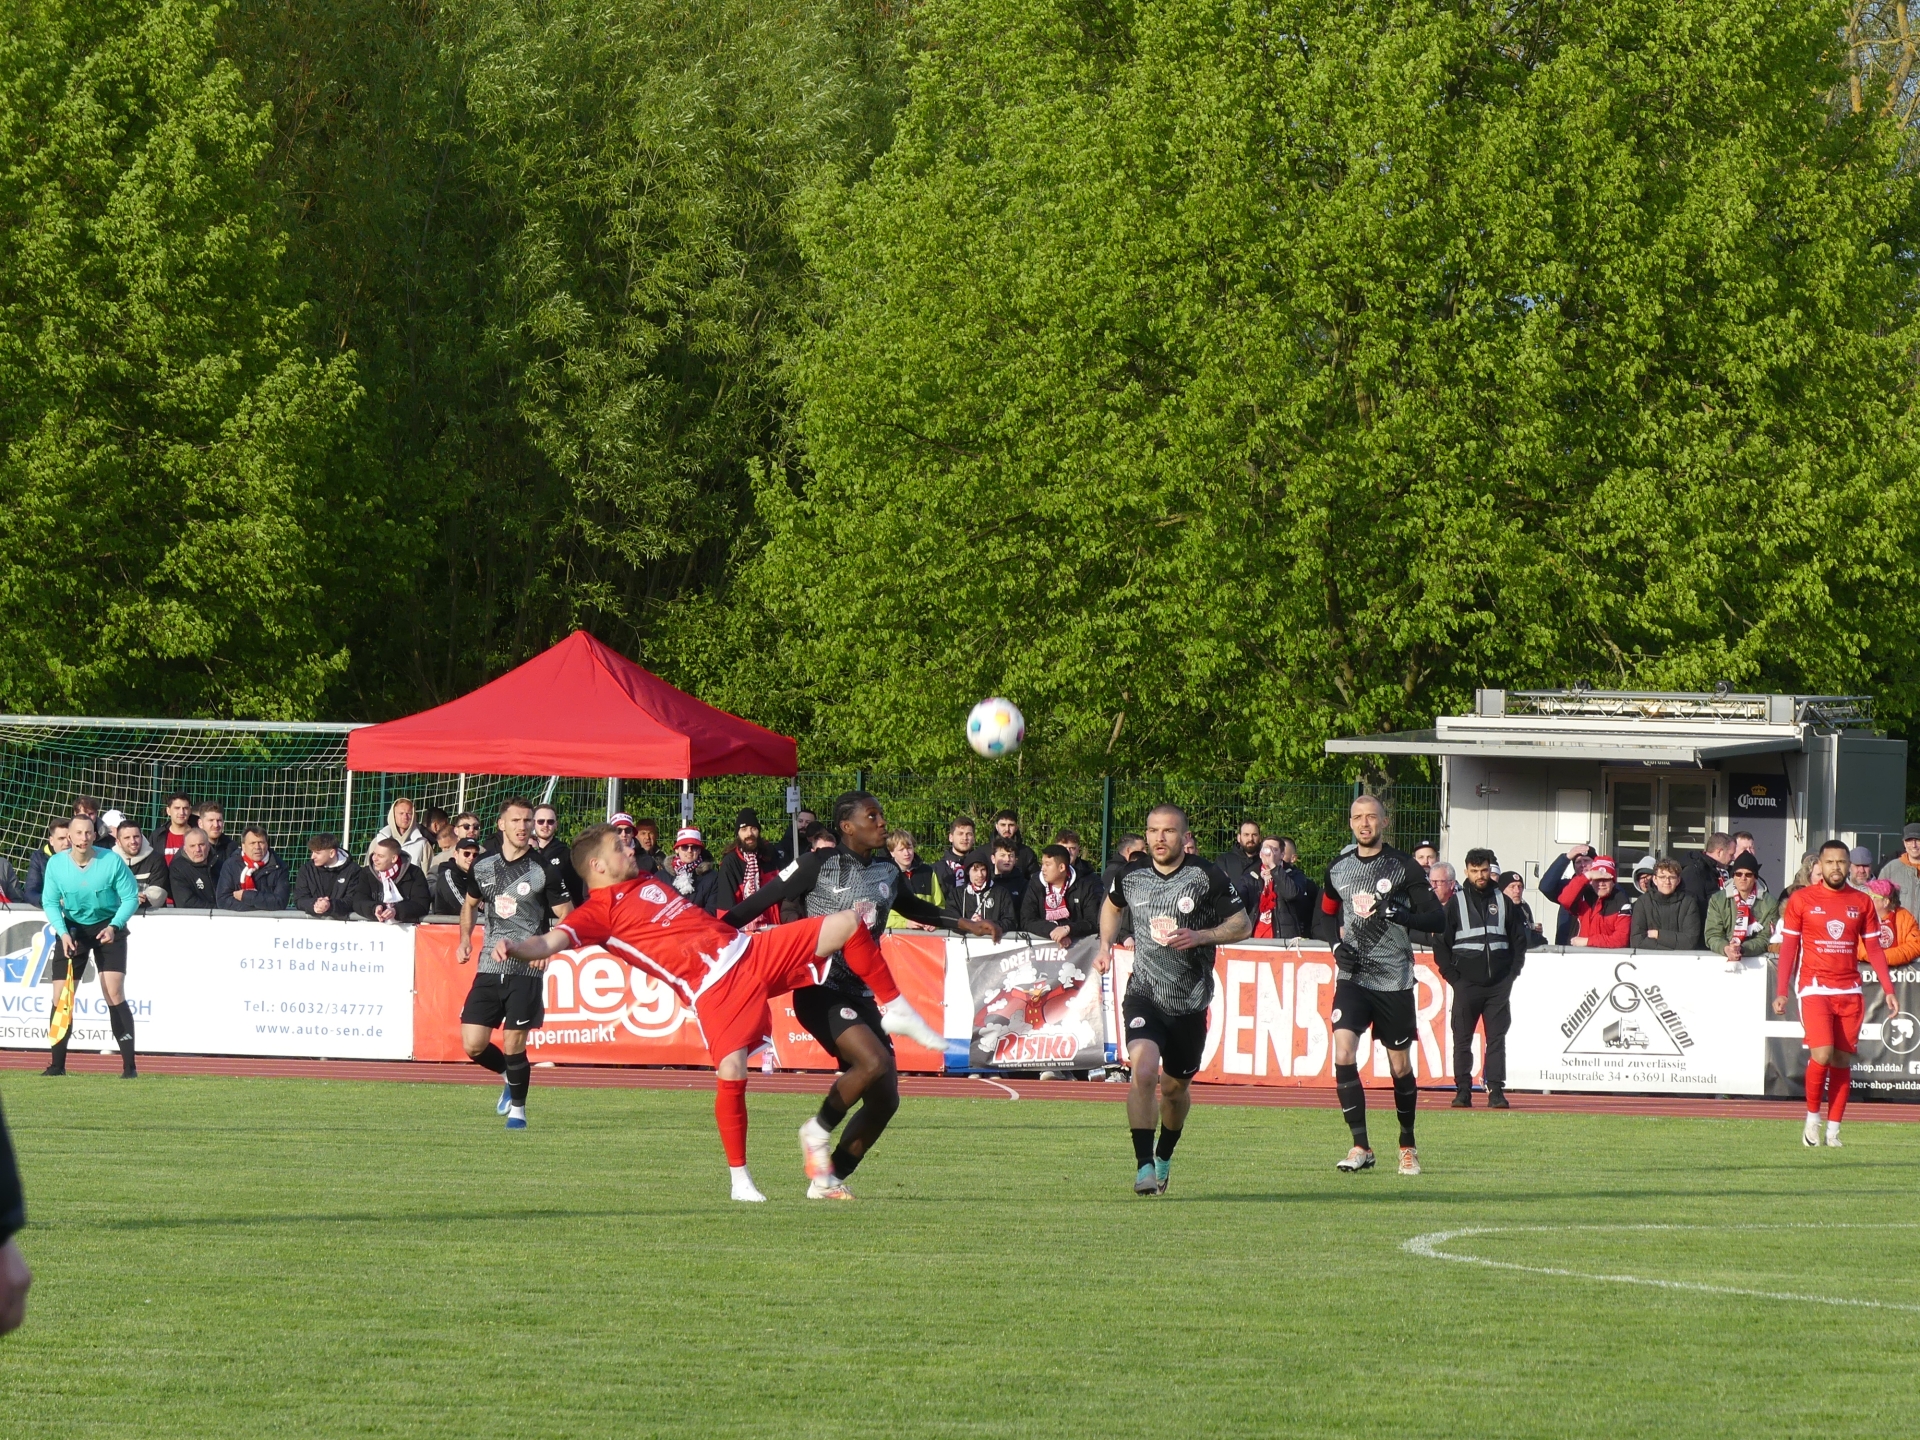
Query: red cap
x=1601, y=866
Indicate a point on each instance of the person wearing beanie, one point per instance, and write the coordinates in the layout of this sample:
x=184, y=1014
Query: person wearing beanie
x=749, y=862
x=1740, y=919
x=1899, y=931
x=693, y=873
x=1602, y=916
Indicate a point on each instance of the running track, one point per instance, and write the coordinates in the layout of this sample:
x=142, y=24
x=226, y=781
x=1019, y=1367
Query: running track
x=606, y=1077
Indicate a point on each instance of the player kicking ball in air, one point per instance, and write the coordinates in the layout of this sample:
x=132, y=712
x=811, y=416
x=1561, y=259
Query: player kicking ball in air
x=1823, y=928
x=723, y=976
x=1179, y=908
x=840, y=1012
x=1373, y=895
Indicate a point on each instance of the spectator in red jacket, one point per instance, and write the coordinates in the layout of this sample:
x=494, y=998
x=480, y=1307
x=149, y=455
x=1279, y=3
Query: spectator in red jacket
x=1605, y=916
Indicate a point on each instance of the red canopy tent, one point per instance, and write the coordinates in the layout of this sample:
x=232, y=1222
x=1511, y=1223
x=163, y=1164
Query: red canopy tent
x=578, y=709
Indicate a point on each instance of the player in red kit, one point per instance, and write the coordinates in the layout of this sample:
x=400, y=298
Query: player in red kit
x=723, y=976
x=1824, y=927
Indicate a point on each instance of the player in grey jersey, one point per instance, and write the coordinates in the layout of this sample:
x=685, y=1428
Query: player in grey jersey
x=840, y=1012
x=514, y=896
x=1179, y=908
x=1373, y=895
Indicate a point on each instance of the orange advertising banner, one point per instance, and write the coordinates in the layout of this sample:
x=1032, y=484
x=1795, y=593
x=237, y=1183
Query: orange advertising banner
x=1271, y=1020
x=601, y=1012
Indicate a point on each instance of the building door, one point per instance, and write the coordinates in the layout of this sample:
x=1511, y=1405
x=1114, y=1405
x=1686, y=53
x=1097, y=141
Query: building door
x=1658, y=814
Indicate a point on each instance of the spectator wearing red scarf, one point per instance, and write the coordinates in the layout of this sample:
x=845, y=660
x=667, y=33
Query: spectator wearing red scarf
x=1059, y=903
x=253, y=877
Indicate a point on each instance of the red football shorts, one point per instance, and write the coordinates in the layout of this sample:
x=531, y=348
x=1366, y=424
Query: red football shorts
x=1832, y=1020
x=733, y=1015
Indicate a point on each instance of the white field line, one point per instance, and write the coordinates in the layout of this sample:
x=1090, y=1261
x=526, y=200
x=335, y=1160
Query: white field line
x=1012, y=1094
x=1428, y=1247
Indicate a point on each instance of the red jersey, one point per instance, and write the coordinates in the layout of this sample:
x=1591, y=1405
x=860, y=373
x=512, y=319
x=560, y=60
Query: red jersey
x=1826, y=930
x=648, y=924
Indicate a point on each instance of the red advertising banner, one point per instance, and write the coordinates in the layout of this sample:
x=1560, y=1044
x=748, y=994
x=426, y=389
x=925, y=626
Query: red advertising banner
x=1271, y=1021
x=601, y=1012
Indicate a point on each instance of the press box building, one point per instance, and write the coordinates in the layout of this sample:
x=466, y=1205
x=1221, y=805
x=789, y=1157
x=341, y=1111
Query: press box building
x=1529, y=773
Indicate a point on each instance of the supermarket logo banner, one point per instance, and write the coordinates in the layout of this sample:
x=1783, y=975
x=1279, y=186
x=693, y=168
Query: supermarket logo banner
x=1036, y=1006
x=601, y=1011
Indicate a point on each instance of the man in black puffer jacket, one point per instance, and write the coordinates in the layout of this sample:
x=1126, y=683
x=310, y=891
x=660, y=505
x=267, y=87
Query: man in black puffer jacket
x=194, y=875
x=1668, y=917
x=328, y=882
x=1480, y=951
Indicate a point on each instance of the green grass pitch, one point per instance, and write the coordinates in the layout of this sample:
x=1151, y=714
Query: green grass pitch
x=260, y=1257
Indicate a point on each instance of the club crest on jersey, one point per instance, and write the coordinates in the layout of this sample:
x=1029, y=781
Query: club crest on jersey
x=1185, y=905
x=653, y=893
x=1383, y=885
x=847, y=1013
x=1836, y=928
x=1139, y=1022
x=525, y=888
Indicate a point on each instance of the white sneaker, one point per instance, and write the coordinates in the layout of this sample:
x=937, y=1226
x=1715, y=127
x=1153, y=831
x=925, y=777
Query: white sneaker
x=897, y=1017
x=1409, y=1160
x=829, y=1187
x=743, y=1186
x=1833, y=1135
x=816, y=1149
x=1810, y=1132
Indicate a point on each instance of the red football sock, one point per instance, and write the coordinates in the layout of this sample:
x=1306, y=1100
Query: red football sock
x=1816, y=1086
x=730, y=1113
x=863, y=955
x=1839, y=1082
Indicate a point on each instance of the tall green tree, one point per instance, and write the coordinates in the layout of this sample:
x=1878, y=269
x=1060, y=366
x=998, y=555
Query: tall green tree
x=164, y=434
x=557, y=238
x=1212, y=377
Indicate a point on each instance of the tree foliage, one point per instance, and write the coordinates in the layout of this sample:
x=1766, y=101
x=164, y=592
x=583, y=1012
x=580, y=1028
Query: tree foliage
x=1213, y=377
x=163, y=433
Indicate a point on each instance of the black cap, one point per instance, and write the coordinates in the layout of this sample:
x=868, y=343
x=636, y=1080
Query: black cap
x=466, y=842
x=1428, y=843
x=1507, y=877
x=1744, y=861
x=1912, y=832
x=748, y=816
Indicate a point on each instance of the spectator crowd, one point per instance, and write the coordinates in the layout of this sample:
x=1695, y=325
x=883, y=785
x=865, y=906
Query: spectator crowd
x=1715, y=900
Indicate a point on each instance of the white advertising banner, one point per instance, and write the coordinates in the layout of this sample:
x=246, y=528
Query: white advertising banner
x=218, y=984
x=1640, y=1021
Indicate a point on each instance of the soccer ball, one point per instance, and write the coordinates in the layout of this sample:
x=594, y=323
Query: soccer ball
x=996, y=727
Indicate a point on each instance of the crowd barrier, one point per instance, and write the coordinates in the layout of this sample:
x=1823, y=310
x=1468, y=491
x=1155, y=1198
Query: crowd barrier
x=1583, y=1020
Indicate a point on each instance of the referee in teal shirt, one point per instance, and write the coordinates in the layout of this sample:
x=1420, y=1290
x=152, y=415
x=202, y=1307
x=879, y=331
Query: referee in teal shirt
x=90, y=895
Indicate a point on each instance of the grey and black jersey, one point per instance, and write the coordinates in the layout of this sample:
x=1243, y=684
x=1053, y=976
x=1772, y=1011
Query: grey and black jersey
x=1377, y=953
x=1196, y=896
x=514, y=904
x=825, y=882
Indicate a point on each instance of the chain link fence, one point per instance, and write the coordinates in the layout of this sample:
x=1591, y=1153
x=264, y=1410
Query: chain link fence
x=293, y=780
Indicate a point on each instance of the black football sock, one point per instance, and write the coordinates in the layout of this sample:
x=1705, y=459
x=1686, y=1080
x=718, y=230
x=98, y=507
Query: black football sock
x=832, y=1112
x=1406, y=1095
x=492, y=1058
x=57, y=1061
x=519, y=1073
x=120, y=1021
x=1353, y=1101
x=877, y=1107
x=1168, y=1139
x=1143, y=1146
